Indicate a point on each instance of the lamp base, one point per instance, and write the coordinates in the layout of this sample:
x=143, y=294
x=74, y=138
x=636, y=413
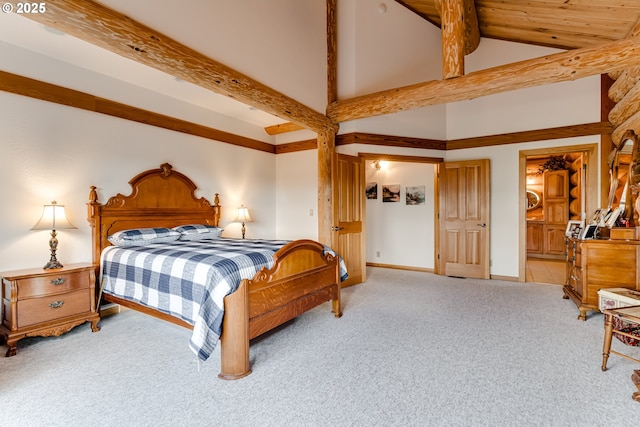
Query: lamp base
x=52, y=264
x=53, y=246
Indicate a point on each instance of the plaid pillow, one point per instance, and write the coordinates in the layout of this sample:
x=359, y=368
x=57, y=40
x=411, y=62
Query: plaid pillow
x=198, y=232
x=143, y=236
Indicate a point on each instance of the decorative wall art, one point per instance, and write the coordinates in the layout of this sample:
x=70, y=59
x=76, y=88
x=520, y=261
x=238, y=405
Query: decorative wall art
x=415, y=195
x=391, y=192
x=372, y=190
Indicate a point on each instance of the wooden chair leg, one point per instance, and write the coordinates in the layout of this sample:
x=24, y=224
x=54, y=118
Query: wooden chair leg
x=608, y=333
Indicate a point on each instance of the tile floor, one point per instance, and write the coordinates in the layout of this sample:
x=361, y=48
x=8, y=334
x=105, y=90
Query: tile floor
x=546, y=271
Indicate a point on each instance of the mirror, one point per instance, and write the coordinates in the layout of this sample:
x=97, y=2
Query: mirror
x=533, y=199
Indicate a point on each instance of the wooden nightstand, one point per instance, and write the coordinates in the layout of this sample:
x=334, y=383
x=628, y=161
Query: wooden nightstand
x=38, y=302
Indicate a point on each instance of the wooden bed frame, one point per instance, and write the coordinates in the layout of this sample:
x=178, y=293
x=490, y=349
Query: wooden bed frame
x=301, y=278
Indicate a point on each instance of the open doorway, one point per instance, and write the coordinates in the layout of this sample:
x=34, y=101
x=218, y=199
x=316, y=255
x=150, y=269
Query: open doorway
x=557, y=184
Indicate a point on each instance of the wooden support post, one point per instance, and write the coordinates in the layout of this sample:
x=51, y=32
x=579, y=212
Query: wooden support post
x=326, y=148
x=452, y=39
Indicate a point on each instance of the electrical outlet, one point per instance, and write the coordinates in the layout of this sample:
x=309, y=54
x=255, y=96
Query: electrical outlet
x=377, y=254
x=310, y=212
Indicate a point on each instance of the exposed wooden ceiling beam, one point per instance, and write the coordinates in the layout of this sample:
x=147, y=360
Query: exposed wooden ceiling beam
x=282, y=128
x=111, y=30
x=549, y=69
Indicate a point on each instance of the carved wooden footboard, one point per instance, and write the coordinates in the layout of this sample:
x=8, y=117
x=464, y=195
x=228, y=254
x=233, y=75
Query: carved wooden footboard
x=301, y=279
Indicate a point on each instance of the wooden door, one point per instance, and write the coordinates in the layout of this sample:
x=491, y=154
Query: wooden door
x=348, y=198
x=556, y=197
x=464, y=219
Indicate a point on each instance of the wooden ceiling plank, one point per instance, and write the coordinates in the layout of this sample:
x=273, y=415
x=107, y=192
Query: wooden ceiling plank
x=111, y=30
x=538, y=10
x=559, y=5
x=557, y=39
x=559, y=67
x=610, y=27
x=624, y=83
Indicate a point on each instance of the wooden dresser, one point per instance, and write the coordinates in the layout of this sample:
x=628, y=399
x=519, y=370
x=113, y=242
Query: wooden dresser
x=38, y=302
x=599, y=264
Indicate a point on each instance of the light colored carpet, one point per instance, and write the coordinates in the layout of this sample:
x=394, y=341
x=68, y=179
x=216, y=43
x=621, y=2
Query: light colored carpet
x=411, y=349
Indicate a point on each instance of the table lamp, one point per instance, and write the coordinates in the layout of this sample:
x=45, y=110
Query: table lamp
x=53, y=218
x=243, y=216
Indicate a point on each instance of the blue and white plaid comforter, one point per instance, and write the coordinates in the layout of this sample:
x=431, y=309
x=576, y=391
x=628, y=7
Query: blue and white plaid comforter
x=187, y=279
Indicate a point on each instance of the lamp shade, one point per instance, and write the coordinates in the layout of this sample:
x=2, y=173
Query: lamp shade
x=53, y=218
x=243, y=215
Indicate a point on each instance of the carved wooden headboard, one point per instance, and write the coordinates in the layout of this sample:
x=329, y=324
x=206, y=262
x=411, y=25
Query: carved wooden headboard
x=159, y=198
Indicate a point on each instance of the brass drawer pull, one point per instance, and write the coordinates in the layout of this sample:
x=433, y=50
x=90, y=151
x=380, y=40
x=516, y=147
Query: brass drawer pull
x=58, y=281
x=56, y=304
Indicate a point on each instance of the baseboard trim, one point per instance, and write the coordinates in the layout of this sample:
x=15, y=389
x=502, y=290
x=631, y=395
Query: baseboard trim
x=111, y=309
x=400, y=267
x=505, y=278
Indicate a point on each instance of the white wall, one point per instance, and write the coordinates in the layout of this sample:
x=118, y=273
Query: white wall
x=559, y=104
x=297, y=195
x=51, y=152
x=378, y=51
x=397, y=233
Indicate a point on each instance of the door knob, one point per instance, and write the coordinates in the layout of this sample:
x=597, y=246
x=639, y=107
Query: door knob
x=483, y=225
x=336, y=228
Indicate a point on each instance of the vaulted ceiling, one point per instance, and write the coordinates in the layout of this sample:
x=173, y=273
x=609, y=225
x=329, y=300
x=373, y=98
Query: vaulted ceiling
x=600, y=36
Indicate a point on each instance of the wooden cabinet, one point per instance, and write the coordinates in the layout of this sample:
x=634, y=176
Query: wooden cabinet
x=546, y=238
x=554, y=239
x=535, y=237
x=599, y=264
x=38, y=302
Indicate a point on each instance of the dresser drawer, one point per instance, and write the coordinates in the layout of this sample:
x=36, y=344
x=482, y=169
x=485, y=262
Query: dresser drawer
x=37, y=310
x=52, y=284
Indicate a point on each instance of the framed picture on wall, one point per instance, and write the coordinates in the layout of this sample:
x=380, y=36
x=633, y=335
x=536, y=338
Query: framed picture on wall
x=415, y=195
x=391, y=193
x=371, y=190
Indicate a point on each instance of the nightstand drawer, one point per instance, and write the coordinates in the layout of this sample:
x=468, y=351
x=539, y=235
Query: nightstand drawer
x=51, y=284
x=37, y=310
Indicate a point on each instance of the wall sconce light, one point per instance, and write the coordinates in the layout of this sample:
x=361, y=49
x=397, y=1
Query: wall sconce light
x=379, y=164
x=243, y=216
x=53, y=218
